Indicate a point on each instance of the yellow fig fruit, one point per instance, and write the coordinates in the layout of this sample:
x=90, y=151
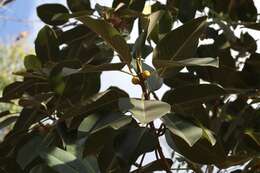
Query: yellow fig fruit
x=146, y=74
x=135, y=80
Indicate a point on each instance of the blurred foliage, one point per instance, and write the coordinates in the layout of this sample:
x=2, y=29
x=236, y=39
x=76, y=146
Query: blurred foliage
x=11, y=58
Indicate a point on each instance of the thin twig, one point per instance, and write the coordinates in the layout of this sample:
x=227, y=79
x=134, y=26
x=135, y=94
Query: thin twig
x=126, y=72
x=142, y=160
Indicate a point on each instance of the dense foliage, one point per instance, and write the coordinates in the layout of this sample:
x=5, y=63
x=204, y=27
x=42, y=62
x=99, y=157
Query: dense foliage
x=210, y=115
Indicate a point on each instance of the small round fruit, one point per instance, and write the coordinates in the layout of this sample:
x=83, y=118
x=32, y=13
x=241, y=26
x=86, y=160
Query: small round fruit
x=135, y=80
x=146, y=74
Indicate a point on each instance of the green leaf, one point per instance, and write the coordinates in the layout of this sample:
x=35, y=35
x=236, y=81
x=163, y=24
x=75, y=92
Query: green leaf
x=153, y=21
x=144, y=111
x=107, y=101
x=46, y=12
x=46, y=45
x=165, y=23
x=154, y=82
x=187, y=10
x=209, y=136
x=110, y=35
x=15, y=90
x=145, y=51
x=181, y=79
x=27, y=117
x=133, y=142
x=78, y=5
x=189, y=95
x=92, y=68
x=139, y=46
x=31, y=62
x=64, y=162
x=186, y=130
x=109, y=162
x=103, y=67
x=8, y=121
x=255, y=136
x=202, y=152
x=255, y=26
x=98, y=121
x=213, y=62
x=29, y=151
x=4, y=113
x=180, y=43
x=67, y=16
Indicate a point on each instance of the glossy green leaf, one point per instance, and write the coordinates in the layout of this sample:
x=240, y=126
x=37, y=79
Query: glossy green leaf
x=46, y=12
x=106, y=100
x=180, y=43
x=110, y=35
x=103, y=67
x=31, y=62
x=29, y=151
x=46, y=45
x=95, y=122
x=15, y=90
x=154, y=82
x=139, y=46
x=202, y=152
x=78, y=5
x=99, y=140
x=64, y=162
x=133, y=142
x=181, y=79
x=213, y=62
x=165, y=23
x=144, y=111
x=186, y=130
x=92, y=68
x=192, y=94
x=153, y=21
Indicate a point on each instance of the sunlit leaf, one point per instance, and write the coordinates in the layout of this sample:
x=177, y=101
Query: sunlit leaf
x=188, y=131
x=64, y=162
x=32, y=62
x=144, y=111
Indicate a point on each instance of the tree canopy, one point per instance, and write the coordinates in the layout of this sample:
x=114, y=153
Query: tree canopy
x=210, y=115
